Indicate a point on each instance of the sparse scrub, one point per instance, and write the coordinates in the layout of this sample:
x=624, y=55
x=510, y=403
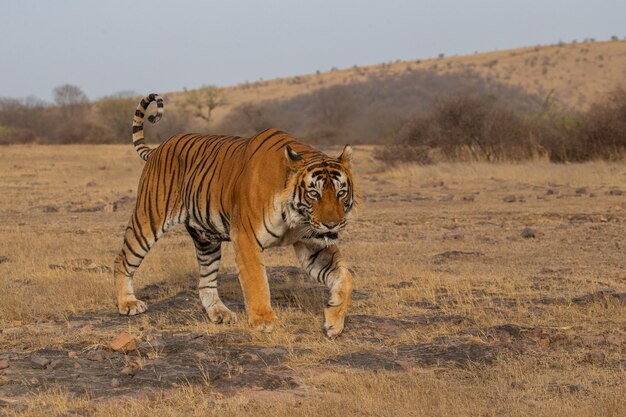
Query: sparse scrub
x=471, y=127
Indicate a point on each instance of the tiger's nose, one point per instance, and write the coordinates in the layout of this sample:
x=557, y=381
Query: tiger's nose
x=330, y=225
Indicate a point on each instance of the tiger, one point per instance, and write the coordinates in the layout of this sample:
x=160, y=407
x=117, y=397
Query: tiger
x=260, y=192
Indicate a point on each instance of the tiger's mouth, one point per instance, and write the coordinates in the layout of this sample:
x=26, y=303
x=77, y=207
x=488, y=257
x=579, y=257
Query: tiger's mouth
x=325, y=235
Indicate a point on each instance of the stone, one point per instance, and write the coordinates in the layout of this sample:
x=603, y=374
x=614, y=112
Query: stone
x=616, y=191
x=615, y=339
x=4, y=259
x=581, y=190
x=552, y=191
x=128, y=371
x=71, y=354
x=544, y=342
x=509, y=199
x=469, y=197
x=432, y=184
x=453, y=236
x=115, y=383
x=49, y=209
x=447, y=197
x=595, y=357
x=95, y=356
x=56, y=364
x=527, y=233
x=124, y=343
x=110, y=207
x=4, y=364
x=39, y=362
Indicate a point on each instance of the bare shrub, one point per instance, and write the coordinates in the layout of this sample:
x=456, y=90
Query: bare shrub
x=481, y=128
x=603, y=131
x=30, y=114
x=72, y=110
x=248, y=118
x=462, y=127
x=113, y=116
x=175, y=122
x=11, y=135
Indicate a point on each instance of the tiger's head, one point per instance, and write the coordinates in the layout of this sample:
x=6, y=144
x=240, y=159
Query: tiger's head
x=323, y=194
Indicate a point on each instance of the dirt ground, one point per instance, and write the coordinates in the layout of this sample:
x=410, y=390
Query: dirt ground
x=481, y=290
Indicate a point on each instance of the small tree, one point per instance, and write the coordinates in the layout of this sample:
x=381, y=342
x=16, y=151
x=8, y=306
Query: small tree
x=68, y=94
x=73, y=106
x=202, y=101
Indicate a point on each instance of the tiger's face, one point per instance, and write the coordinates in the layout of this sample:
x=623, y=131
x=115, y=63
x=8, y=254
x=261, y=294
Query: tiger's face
x=324, y=195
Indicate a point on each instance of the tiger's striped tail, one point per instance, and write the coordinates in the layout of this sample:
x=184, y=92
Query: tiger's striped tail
x=138, y=138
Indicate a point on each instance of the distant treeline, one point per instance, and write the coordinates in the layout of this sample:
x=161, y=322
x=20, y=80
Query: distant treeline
x=420, y=115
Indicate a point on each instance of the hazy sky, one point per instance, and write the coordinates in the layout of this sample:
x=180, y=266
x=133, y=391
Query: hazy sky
x=107, y=46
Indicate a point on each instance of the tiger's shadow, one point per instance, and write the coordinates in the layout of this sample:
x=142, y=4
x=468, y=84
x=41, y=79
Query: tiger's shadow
x=290, y=288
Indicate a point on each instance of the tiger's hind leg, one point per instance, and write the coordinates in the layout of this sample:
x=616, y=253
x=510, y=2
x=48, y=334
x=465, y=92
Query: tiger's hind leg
x=209, y=255
x=134, y=249
x=138, y=240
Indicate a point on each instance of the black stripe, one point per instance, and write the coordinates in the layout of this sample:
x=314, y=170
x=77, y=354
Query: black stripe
x=314, y=256
x=214, y=271
x=263, y=143
x=207, y=286
x=267, y=228
x=135, y=254
x=137, y=129
x=139, y=113
x=254, y=234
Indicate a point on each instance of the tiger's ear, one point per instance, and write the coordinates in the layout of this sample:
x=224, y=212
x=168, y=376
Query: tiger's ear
x=294, y=160
x=346, y=156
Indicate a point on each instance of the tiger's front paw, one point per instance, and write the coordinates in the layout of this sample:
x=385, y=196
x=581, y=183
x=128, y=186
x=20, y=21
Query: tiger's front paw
x=334, y=320
x=263, y=322
x=131, y=306
x=219, y=313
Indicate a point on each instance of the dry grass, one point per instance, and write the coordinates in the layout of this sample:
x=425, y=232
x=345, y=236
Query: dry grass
x=392, y=244
x=578, y=74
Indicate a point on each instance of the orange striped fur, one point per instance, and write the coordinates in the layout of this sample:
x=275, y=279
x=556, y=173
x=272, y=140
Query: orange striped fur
x=259, y=192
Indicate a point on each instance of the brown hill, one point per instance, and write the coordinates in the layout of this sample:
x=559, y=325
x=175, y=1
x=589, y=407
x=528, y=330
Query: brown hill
x=577, y=74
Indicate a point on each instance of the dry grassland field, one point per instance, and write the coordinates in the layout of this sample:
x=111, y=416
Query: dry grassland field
x=480, y=290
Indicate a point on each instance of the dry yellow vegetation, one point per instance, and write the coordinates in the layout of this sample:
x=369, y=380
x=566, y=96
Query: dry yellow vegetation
x=456, y=313
x=578, y=74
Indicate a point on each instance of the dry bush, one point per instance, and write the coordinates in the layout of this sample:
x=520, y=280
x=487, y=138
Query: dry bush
x=481, y=128
x=30, y=114
x=248, y=118
x=10, y=135
x=364, y=112
x=113, y=116
x=462, y=127
x=603, y=131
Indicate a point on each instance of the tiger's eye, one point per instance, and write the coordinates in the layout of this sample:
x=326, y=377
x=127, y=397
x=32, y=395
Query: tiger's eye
x=341, y=193
x=313, y=195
